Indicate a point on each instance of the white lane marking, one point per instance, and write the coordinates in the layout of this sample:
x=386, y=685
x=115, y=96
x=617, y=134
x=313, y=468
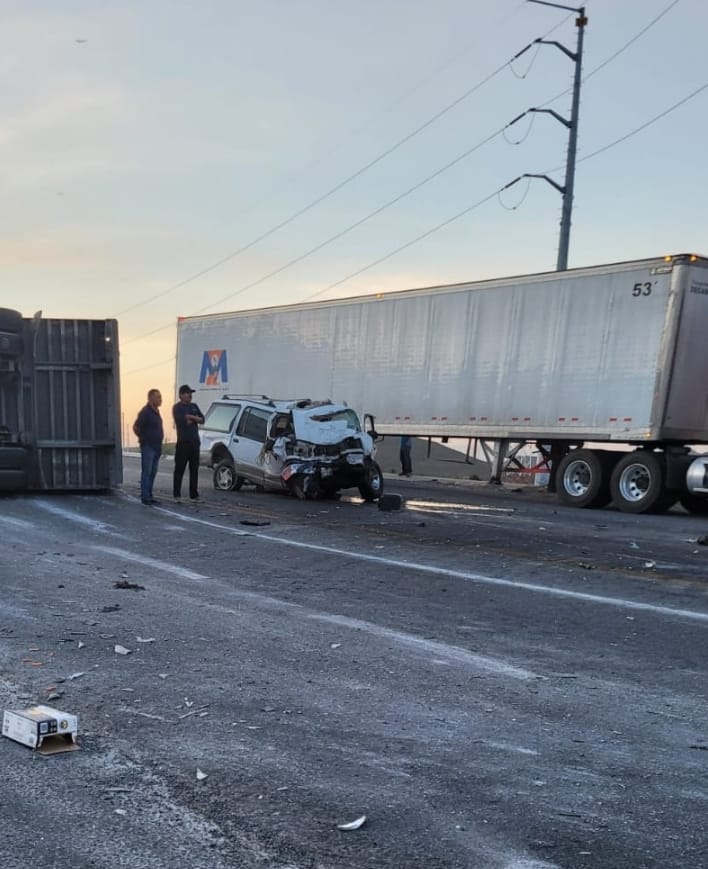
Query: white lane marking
x=16, y=523
x=150, y=562
x=504, y=746
x=450, y=652
x=620, y=603
x=524, y=863
x=101, y=527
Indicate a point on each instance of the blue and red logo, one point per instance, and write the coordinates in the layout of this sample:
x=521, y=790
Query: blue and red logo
x=214, y=369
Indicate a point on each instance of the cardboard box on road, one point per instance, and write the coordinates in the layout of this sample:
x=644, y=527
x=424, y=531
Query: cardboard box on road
x=47, y=730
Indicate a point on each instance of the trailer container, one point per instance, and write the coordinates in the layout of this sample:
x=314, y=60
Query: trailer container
x=577, y=362
x=59, y=404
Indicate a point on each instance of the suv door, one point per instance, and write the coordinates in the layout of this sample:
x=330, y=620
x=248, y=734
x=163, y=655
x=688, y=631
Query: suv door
x=248, y=440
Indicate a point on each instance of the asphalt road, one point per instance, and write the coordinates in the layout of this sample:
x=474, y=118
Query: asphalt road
x=494, y=680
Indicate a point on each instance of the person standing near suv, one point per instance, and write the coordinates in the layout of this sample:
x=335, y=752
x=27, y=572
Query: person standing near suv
x=149, y=431
x=188, y=418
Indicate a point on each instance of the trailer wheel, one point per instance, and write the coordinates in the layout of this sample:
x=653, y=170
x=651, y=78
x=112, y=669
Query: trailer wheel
x=371, y=485
x=637, y=484
x=694, y=504
x=225, y=479
x=583, y=479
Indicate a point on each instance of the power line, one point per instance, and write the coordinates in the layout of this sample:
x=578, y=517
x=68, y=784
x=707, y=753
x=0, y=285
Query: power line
x=618, y=52
x=322, y=198
x=398, y=198
x=501, y=189
x=464, y=212
x=337, y=187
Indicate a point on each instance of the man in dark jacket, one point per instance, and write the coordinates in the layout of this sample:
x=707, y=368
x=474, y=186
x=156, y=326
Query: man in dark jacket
x=187, y=417
x=150, y=434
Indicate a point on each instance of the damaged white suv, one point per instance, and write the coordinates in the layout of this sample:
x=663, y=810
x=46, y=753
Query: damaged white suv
x=310, y=448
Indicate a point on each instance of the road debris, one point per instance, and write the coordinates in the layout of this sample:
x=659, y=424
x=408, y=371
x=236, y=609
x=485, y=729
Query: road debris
x=201, y=775
x=131, y=586
x=256, y=522
x=121, y=650
x=43, y=728
x=353, y=825
x=147, y=640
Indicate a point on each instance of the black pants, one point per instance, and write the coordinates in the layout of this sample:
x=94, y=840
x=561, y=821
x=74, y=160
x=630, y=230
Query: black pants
x=406, y=466
x=186, y=453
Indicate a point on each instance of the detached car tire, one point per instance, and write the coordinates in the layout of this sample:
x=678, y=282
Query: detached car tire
x=225, y=479
x=372, y=483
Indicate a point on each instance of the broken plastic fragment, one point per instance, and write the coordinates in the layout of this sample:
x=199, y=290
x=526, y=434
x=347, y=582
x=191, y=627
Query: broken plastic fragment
x=121, y=650
x=148, y=640
x=353, y=825
x=201, y=775
x=76, y=675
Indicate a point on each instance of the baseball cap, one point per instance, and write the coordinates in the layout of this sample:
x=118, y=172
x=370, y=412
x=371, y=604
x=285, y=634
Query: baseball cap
x=184, y=388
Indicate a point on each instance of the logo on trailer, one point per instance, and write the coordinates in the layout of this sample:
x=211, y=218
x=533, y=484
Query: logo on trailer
x=214, y=370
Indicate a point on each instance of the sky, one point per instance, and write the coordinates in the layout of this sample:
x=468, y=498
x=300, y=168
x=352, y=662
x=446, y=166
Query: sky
x=163, y=158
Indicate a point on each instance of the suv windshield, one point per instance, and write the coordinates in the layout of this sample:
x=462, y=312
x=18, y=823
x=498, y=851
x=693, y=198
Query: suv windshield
x=220, y=417
x=347, y=416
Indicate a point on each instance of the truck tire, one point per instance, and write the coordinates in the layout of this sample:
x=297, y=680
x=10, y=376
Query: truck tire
x=13, y=480
x=372, y=483
x=694, y=504
x=10, y=321
x=13, y=458
x=225, y=479
x=637, y=484
x=583, y=479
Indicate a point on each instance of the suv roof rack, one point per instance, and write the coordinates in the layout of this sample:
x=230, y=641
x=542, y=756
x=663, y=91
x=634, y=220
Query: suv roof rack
x=236, y=396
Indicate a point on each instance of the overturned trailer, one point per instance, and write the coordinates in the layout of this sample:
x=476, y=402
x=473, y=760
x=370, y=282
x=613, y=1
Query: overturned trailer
x=604, y=368
x=59, y=404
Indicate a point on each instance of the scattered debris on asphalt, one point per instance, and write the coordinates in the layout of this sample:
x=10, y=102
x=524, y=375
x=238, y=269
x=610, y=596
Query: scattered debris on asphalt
x=201, y=775
x=131, y=586
x=121, y=650
x=111, y=608
x=256, y=522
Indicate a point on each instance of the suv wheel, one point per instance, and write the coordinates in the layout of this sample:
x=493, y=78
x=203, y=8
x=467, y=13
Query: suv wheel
x=371, y=485
x=225, y=479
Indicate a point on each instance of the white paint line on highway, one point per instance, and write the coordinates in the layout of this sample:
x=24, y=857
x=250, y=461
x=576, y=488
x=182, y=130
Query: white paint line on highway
x=524, y=863
x=71, y=516
x=16, y=523
x=620, y=603
x=454, y=653
x=504, y=746
x=138, y=558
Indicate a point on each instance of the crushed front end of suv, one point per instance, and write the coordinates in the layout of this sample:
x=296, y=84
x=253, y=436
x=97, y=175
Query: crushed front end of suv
x=313, y=449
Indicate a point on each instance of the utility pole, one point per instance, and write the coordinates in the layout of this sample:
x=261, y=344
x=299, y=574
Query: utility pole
x=567, y=189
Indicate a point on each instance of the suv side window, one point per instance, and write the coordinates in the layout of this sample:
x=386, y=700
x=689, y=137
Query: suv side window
x=254, y=424
x=220, y=417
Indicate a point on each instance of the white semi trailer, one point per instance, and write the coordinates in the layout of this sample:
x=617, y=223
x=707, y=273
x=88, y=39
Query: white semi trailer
x=604, y=368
